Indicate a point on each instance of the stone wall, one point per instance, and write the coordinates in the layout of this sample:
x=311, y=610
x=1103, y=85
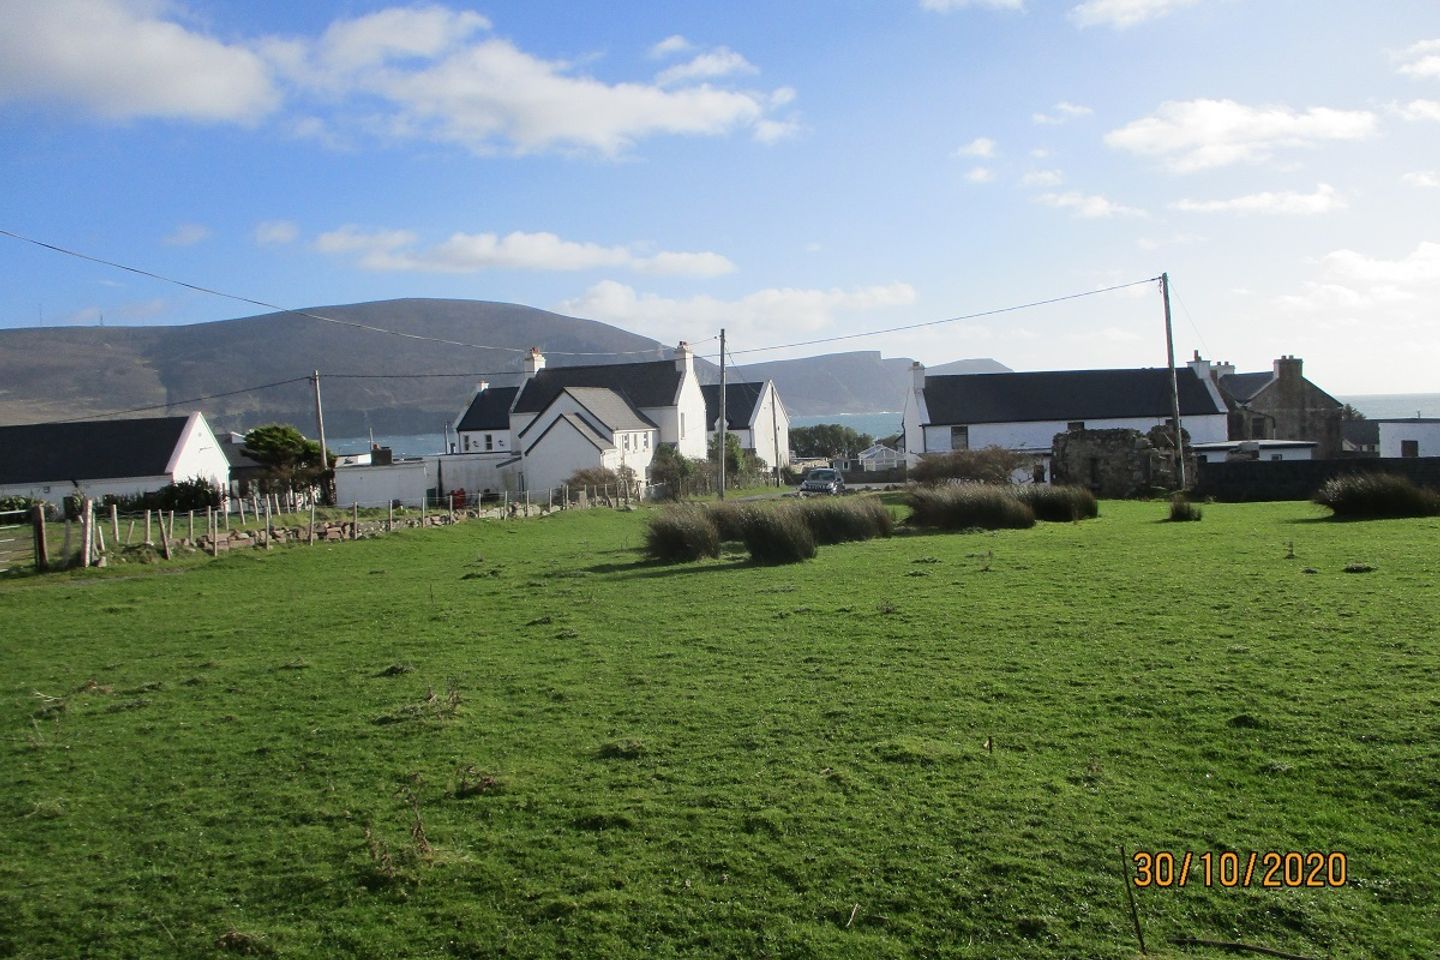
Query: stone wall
x=1115, y=463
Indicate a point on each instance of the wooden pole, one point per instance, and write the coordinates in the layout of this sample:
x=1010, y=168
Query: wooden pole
x=451, y=497
x=99, y=540
x=355, y=520
x=42, y=548
x=269, y=521
x=390, y=518
x=149, y=537
x=320, y=426
x=192, y=526
x=312, y=523
x=130, y=533
x=215, y=535
x=241, y=502
x=87, y=531
x=1174, y=385
x=115, y=524
x=720, y=453
x=164, y=535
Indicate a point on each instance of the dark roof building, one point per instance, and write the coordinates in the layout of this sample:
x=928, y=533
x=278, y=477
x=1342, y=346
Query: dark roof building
x=1063, y=395
x=1277, y=404
x=489, y=409
x=654, y=384
x=90, y=450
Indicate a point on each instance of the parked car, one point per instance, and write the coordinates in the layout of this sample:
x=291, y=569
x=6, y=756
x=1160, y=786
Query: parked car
x=822, y=480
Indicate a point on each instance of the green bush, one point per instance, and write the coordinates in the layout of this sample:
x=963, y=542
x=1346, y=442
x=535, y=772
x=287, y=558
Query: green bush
x=682, y=535
x=1181, y=509
x=839, y=521
x=1377, y=495
x=777, y=536
x=1059, y=504
x=969, y=505
x=988, y=465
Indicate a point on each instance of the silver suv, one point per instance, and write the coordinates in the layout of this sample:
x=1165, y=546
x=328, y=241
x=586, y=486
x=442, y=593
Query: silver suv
x=822, y=480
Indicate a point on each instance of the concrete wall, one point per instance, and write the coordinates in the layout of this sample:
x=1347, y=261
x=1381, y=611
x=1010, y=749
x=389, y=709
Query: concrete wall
x=476, y=473
x=1425, y=431
x=56, y=491
x=375, y=486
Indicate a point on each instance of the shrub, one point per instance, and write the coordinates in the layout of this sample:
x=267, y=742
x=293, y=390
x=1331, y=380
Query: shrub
x=1181, y=509
x=1377, y=495
x=729, y=520
x=969, y=505
x=672, y=474
x=990, y=465
x=682, y=535
x=838, y=521
x=777, y=536
x=1059, y=504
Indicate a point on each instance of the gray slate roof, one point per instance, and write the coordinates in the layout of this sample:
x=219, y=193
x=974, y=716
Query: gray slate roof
x=90, y=450
x=489, y=410
x=611, y=409
x=1064, y=395
x=741, y=399
x=1362, y=433
x=1243, y=387
x=653, y=384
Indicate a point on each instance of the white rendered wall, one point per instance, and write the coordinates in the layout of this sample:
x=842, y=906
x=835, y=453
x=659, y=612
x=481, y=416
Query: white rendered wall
x=199, y=455
x=1426, y=433
x=1038, y=435
x=376, y=486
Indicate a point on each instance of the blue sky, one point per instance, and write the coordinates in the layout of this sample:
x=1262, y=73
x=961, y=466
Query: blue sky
x=787, y=170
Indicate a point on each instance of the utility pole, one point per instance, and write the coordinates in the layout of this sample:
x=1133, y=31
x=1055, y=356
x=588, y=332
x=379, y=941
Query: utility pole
x=320, y=425
x=1174, y=383
x=722, y=414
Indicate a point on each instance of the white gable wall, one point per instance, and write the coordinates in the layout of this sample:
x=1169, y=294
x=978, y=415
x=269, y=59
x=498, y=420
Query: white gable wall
x=198, y=454
x=1425, y=432
x=561, y=452
x=770, y=430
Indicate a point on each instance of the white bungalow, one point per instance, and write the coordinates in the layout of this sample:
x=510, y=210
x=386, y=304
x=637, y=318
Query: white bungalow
x=1411, y=437
x=1023, y=412
x=99, y=458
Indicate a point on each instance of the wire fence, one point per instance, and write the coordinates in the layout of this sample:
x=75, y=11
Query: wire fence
x=17, y=540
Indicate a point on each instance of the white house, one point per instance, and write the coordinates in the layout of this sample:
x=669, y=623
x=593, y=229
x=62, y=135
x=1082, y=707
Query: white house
x=756, y=415
x=1412, y=437
x=376, y=485
x=557, y=420
x=1265, y=450
x=121, y=458
x=1024, y=411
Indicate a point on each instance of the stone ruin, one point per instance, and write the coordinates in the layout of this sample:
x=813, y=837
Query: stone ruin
x=1119, y=463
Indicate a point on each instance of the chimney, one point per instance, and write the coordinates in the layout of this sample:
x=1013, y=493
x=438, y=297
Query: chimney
x=917, y=376
x=1201, y=367
x=534, y=362
x=684, y=358
x=1287, y=368
x=1224, y=369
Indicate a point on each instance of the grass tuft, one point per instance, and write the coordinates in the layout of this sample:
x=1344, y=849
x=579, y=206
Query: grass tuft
x=1183, y=510
x=1059, y=504
x=682, y=535
x=840, y=521
x=1366, y=496
x=969, y=506
x=778, y=536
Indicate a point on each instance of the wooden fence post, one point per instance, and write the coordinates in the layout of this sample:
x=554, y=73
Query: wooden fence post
x=269, y=522
x=87, y=531
x=149, y=537
x=165, y=536
x=355, y=520
x=115, y=524
x=192, y=526
x=390, y=518
x=42, y=548
x=130, y=532
x=312, y=523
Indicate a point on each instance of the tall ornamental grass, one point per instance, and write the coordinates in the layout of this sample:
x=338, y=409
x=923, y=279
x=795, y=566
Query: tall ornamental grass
x=682, y=535
x=841, y=520
x=1363, y=496
x=1059, y=503
x=777, y=536
x=969, y=506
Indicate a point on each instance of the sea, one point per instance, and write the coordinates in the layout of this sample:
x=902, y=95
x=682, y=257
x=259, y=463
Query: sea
x=1375, y=406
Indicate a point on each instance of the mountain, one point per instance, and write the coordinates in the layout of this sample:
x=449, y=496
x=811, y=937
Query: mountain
x=66, y=372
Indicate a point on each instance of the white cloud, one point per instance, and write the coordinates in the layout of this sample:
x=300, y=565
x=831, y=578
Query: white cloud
x=1040, y=153
x=945, y=6
x=1422, y=178
x=1323, y=200
x=762, y=311
x=1088, y=206
x=1123, y=13
x=1420, y=268
x=1064, y=110
x=1421, y=61
x=670, y=46
x=1419, y=110
x=276, y=232
x=115, y=60
x=395, y=250
x=980, y=175
x=720, y=62
x=187, y=235
x=979, y=147
x=396, y=33
x=1042, y=178
x=773, y=131
x=1195, y=135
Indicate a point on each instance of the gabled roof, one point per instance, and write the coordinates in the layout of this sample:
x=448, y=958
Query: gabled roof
x=580, y=426
x=741, y=399
x=1064, y=395
x=1242, y=387
x=490, y=410
x=90, y=450
x=603, y=411
x=653, y=384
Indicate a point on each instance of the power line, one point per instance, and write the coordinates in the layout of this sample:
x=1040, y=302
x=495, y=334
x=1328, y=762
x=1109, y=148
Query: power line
x=1198, y=335
x=313, y=316
x=935, y=323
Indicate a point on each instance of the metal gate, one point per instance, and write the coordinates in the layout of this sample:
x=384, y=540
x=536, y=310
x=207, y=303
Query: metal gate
x=17, y=541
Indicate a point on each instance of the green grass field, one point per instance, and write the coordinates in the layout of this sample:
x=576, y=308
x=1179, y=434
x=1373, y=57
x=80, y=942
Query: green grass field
x=519, y=739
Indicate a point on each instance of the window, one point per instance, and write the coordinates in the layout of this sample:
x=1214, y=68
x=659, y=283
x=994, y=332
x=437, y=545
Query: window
x=489, y=441
x=1277, y=456
x=959, y=438
x=647, y=441
x=467, y=441
x=1075, y=425
x=1409, y=448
